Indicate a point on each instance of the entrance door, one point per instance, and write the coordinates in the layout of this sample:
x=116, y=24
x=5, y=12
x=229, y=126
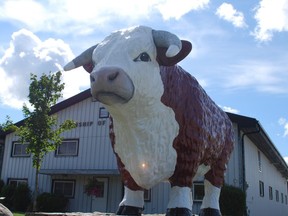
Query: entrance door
x=99, y=202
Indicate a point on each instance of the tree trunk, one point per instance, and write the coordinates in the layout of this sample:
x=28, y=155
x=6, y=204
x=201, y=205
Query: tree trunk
x=36, y=191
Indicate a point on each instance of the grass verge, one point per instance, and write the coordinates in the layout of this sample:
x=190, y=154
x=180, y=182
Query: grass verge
x=18, y=214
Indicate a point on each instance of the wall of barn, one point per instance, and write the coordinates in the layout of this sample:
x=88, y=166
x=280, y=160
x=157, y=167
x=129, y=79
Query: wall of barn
x=261, y=169
x=94, y=153
x=233, y=173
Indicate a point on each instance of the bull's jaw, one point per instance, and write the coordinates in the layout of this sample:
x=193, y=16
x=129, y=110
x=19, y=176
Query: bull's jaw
x=111, y=85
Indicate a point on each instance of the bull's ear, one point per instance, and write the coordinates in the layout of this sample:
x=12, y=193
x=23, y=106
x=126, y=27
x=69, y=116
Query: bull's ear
x=169, y=61
x=88, y=67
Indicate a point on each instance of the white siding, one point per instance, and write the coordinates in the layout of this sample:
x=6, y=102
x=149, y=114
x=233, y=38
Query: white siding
x=232, y=176
x=256, y=204
x=159, y=199
x=94, y=153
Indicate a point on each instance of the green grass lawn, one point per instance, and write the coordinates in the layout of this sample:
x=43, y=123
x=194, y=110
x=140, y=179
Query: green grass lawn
x=18, y=214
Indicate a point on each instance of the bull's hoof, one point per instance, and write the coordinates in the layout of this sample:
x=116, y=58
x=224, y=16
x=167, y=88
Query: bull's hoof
x=209, y=212
x=179, y=212
x=129, y=210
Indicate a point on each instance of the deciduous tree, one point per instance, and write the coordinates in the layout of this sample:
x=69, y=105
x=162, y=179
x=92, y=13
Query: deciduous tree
x=41, y=130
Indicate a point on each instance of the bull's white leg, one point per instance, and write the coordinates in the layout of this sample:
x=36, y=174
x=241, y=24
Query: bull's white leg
x=132, y=198
x=180, y=197
x=211, y=198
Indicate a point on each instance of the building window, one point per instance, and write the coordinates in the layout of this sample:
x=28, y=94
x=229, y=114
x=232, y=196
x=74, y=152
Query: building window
x=147, y=195
x=103, y=113
x=64, y=187
x=270, y=193
x=20, y=149
x=259, y=162
x=68, y=148
x=15, y=182
x=282, y=198
x=261, y=188
x=277, y=196
x=198, y=191
x=286, y=199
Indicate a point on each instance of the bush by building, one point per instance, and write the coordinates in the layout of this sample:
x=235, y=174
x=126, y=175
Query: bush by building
x=232, y=201
x=48, y=202
x=16, y=198
x=22, y=197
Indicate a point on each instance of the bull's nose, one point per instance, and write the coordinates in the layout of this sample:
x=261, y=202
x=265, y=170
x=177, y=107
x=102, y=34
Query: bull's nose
x=113, y=75
x=111, y=85
x=106, y=75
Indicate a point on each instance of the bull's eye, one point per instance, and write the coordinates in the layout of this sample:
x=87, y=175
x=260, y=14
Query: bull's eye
x=143, y=57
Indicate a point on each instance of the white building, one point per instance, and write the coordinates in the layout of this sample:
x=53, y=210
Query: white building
x=255, y=165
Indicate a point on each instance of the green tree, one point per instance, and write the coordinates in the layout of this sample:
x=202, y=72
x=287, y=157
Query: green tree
x=40, y=129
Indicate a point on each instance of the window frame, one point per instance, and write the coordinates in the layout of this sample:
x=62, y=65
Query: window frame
x=73, y=181
x=23, y=155
x=147, y=195
x=102, y=113
x=57, y=154
x=201, y=184
x=259, y=161
x=261, y=189
x=270, y=193
x=18, y=181
x=277, y=195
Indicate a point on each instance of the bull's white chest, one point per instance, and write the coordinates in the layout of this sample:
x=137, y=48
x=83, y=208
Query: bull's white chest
x=144, y=142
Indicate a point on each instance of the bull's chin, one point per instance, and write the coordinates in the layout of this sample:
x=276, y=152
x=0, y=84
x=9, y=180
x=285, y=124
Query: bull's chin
x=110, y=98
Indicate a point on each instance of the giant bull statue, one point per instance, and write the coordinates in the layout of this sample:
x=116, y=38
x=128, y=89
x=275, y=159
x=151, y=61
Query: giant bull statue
x=164, y=126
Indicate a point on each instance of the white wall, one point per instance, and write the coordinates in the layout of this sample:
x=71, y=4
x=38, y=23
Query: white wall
x=95, y=152
x=232, y=175
x=256, y=204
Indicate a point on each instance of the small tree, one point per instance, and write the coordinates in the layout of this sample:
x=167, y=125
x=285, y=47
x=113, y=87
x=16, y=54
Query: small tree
x=40, y=129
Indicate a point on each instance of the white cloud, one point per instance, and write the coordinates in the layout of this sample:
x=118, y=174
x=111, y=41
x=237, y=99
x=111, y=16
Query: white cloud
x=283, y=122
x=286, y=160
x=229, y=13
x=270, y=77
x=58, y=16
x=174, y=9
x=229, y=109
x=28, y=54
x=271, y=17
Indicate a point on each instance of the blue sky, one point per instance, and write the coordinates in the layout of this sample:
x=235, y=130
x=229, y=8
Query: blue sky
x=240, y=49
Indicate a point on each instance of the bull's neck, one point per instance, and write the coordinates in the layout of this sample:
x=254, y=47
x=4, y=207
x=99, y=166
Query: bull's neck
x=141, y=113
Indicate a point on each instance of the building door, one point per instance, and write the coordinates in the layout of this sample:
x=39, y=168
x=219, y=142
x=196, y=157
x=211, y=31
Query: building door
x=99, y=202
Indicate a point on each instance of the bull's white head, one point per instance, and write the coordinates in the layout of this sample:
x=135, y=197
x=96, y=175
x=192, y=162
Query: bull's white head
x=125, y=66
x=125, y=75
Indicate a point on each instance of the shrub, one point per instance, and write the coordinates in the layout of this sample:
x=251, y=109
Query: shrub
x=1, y=184
x=48, y=202
x=8, y=192
x=22, y=197
x=232, y=201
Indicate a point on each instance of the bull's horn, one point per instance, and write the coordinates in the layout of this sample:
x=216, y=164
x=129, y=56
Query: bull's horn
x=83, y=59
x=167, y=40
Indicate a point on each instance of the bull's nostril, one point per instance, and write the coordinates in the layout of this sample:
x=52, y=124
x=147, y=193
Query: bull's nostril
x=92, y=79
x=113, y=76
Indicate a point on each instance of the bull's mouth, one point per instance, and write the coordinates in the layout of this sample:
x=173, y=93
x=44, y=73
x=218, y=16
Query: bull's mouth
x=110, y=98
